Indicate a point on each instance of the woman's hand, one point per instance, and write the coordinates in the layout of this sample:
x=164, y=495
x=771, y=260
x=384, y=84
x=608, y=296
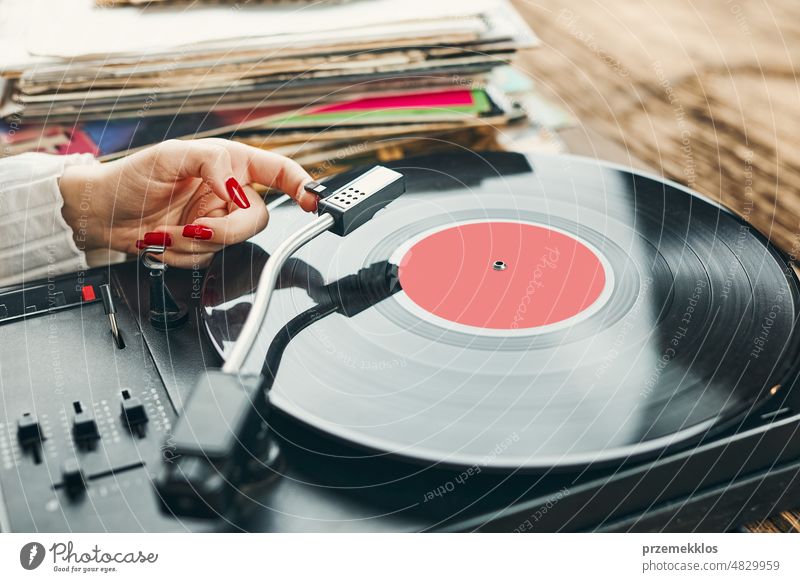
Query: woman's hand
x=185, y=193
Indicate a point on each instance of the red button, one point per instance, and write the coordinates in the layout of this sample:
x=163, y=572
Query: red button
x=87, y=291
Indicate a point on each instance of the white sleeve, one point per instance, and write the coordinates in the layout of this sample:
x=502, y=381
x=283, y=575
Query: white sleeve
x=35, y=240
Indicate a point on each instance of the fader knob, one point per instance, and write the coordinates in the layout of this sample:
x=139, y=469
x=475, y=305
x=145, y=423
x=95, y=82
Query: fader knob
x=29, y=432
x=72, y=478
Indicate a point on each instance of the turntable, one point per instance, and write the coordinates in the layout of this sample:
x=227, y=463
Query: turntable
x=515, y=343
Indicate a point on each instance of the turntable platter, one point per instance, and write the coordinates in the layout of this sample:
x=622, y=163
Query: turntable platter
x=518, y=312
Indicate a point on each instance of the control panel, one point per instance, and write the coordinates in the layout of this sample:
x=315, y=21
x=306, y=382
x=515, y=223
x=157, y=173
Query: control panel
x=85, y=418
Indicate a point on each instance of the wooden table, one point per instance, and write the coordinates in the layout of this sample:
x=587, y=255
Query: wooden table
x=704, y=94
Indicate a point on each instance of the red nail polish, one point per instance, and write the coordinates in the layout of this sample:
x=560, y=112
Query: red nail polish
x=236, y=192
x=316, y=203
x=161, y=239
x=197, y=231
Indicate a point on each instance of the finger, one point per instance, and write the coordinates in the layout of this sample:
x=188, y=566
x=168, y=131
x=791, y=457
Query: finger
x=182, y=239
x=275, y=171
x=210, y=233
x=208, y=160
x=192, y=261
x=239, y=225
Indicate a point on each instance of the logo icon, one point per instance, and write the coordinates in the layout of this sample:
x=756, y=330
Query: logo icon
x=31, y=555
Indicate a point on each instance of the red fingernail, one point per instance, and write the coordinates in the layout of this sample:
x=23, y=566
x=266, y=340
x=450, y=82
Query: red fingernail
x=236, y=192
x=316, y=203
x=160, y=239
x=197, y=231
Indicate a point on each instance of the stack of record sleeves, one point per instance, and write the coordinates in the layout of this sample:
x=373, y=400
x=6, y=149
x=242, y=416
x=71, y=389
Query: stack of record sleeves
x=320, y=81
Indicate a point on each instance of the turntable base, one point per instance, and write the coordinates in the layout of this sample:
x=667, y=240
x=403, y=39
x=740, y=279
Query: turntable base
x=715, y=480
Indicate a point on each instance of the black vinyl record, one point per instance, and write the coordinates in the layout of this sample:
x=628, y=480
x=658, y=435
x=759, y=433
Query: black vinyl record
x=519, y=313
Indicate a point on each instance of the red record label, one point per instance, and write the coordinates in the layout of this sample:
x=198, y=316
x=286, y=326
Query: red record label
x=502, y=275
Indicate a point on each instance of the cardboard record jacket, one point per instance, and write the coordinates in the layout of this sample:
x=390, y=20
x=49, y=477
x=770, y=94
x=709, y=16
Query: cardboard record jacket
x=519, y=313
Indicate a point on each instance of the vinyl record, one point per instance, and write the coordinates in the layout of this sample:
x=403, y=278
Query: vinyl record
x=517, y=312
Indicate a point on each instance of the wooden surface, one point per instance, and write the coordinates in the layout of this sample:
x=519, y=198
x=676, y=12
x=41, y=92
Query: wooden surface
x=704, y=92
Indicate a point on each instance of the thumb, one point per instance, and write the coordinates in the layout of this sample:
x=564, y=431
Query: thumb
x=237, y=226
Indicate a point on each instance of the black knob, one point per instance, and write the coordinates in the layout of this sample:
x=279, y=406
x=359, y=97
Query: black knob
x=29, y=431
x=165, y=312
x=84, y=427
x=72, y=478
x=133, y=411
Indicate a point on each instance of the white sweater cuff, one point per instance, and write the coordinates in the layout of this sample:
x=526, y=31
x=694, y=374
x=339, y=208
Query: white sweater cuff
x=35, y=240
